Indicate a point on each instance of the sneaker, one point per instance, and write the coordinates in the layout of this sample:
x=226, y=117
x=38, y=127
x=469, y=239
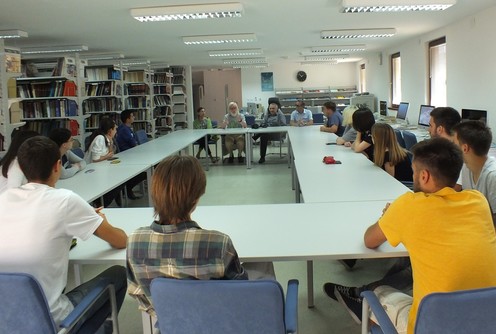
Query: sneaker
x=352, y=304
x=261, y=161
x=329, y=290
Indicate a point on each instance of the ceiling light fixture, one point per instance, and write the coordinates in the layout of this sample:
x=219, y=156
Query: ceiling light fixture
x=4, y=34
x=54, y=49
x=325, y=58
x=235, y=53
x=133, y=62
x=260, y=65
x=380, y=6
x=357, y=33
x=219, y=39
x=259, y=60
x=188, y=12
x=338, y=48
x=328, y=62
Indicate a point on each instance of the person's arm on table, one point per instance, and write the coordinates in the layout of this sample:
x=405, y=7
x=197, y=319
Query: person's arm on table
x=116, y=237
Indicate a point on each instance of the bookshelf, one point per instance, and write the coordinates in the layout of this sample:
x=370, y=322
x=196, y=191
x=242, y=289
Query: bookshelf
x=137, y=97
x=179, y=98
x=161, y=101
x=49, y=95
x=103, y=91
x=314, y=98
x=10, y=69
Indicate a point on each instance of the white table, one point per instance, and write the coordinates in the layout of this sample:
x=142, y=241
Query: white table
x=281, y=232
x=100, y=177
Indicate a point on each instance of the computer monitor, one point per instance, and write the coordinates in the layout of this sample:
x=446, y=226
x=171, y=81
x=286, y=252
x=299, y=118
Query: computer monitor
x=425, y=115
x=402, y=110
x=474, y=115
x=383, y=108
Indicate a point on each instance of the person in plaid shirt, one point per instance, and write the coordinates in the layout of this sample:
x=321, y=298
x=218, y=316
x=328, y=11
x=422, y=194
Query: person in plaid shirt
x=174, y=246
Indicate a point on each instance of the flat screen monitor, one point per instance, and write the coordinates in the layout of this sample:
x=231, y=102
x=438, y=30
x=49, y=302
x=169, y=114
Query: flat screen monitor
x=425, y=115
x=383, y=108
x=474, y=115
x=402, y=110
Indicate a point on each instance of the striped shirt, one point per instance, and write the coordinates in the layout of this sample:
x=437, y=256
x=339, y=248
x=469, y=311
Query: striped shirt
x=183, y=251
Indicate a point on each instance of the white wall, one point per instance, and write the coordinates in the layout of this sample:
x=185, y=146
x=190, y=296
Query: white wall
x=471, y=74
x=318, y=76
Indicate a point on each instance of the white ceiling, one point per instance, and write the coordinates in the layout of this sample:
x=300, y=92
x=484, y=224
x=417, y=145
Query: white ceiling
x=284, y=28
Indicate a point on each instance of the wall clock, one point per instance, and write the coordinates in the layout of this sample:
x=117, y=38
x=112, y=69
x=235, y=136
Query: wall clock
x=301, y=76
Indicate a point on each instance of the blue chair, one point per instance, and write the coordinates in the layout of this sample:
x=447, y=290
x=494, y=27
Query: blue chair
x=459, y=312
x=250, y=120
x=24, y=308
x=141, y=137
x=400, y=139
x=318, y=118
x=223, y=306
x=409, y=138
x=78, y=151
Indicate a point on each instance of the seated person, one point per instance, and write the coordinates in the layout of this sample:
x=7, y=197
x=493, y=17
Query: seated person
x=38, y=225
x=389, y=155
x=234, y=119
x=11, y=175
x=449, y=235
x=479, y=170
x=71, y=163
x=274, y=117
x=125, y=137
x=301, y=116
x=363, y=120
x=349, y=134
x=174, y=246
x=334, y=122
x=203, y=122
x=102, y=148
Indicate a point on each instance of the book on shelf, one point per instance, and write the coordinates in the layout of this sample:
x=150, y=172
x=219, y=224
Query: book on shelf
x=66, y=67
x=12, y=60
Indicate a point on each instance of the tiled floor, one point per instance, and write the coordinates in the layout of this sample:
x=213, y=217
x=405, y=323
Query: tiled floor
x=271, y=183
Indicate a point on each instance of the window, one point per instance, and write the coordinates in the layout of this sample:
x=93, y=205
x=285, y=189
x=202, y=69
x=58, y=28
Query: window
x=437, y=72
x=363, y=79
x=395, y=79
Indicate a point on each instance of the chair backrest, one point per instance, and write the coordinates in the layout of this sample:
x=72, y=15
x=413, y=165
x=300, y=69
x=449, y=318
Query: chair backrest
x=141, y=137
x=410, y=139
x=24, y=308
x=400, y=139
x=318, y=118
x=250, y=120
x=78, y=151
x=469, y=311
x=218, y=306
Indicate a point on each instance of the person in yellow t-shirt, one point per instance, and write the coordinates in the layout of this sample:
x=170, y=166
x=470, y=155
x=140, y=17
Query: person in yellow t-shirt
x=449, y=235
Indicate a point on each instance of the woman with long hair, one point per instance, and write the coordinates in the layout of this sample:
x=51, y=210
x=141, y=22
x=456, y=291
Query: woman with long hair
x=363, y=120
x=102, y=141
x=389, y=155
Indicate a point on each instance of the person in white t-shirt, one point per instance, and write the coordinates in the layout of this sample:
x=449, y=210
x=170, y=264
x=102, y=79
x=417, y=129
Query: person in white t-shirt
x=11, y=175
x=479, y=171
x=38, y=225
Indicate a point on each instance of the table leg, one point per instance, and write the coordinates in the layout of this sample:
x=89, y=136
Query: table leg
x=147, y=322
x=310, y=284
x=149, y=173
x=248, y=150
x=206, y=153
x=296, y=185
x=78, y=274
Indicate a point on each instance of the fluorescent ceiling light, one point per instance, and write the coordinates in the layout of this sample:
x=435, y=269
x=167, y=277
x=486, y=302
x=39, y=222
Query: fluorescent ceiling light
x=328, y=62
x=369, y=6
x=325, y=58
x=338, y=48
x=260, y=65
x=54, y=49
x=159, y=65
x=132, y=62
x=235, y=53
x=219, y=39
x=245, y=60
x=12, y=34
x=357, y=33
x=188, y=12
